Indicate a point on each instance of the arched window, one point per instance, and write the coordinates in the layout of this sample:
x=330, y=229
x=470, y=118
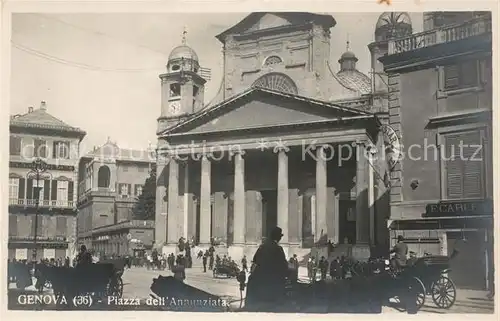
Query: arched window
x=103, y=177
x=276, y=81
x=273, y=60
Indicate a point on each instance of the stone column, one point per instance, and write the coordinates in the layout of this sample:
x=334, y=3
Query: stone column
x=205, y=201
x=283, y=199
x=239, y=200
x=220, y=215
x=371, y=202
x=189, y=216
x=173, y=215
x=362, y=212
x=161, y=204
x=321, y=194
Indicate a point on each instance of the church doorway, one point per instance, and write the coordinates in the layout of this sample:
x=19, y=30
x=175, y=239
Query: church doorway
x=347, y=221
x=269, y=211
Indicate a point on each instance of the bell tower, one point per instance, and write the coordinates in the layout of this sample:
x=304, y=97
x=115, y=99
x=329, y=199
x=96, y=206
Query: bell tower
x=182, y=86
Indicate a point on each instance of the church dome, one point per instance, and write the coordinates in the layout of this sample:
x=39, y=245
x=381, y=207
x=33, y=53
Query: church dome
x=355, y=80
x=393, y=25
x=183, y=51
x=348, y=55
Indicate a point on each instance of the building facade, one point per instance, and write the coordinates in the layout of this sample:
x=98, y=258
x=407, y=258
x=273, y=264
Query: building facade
x=39, y=135
x=287, y=141
x=110, y=180
x=440, y=100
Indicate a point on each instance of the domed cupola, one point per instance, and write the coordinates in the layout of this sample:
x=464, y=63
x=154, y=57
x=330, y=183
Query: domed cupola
x=348, y=60
x=393, y=25
x=183, y=58
x=349, y=76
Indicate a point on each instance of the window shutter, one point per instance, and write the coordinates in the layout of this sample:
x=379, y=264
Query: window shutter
x=12, y=225
x=29, y=189
x=464, y=173
x=70, y=191
x=54, y=190
x=39, y=226
x=454, y=177
x=21, y=188
x=54, y=150
x=473, y=165
x=129, y=189
x=468, y=73
x=46, y=189
x=451, y=76
x=136, y=189
x=61, y=226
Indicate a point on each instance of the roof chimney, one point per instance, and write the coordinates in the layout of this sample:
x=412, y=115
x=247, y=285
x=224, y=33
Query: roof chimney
x=43, y=106
x=30, y=109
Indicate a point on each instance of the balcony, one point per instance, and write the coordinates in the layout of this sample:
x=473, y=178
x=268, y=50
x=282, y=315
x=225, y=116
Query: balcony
x=42, y=203
x=447, y=34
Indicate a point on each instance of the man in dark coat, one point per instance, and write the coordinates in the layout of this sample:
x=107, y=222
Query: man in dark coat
x=400, y=251
x=205, y=262
x=84, y=257
x=266, y=284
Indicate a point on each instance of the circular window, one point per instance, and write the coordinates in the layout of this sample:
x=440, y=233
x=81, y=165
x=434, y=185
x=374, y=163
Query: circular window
x=273, y=60
x=176, y=67
x=278, y=82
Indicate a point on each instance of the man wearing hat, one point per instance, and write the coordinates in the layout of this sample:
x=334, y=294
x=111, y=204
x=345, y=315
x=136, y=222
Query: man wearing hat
x=400, y=251
x=266, y=284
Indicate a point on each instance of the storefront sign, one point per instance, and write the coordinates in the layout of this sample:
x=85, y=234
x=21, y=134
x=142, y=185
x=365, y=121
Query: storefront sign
x=459, y=208
x=392, y=146
x=49, y=166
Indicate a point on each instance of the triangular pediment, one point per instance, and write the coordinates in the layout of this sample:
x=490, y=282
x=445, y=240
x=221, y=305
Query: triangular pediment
x=260, y=108
x=267, y=20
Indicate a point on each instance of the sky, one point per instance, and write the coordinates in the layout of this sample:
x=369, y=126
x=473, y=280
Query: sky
x=99, y=72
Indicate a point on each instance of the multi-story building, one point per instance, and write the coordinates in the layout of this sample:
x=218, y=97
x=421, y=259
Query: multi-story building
x=49, y=223
x=110, y=180
x=440, y=105
x=255, y=156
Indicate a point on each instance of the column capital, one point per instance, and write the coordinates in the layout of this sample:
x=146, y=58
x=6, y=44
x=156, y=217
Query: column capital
x=235, y=152
x=281, y=149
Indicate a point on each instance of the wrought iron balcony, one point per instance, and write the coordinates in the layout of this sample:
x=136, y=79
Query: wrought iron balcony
x=41, y=203
x=475, y=27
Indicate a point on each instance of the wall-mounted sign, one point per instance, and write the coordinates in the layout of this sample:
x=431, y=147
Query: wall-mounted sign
x=392, y=146
x=459, y=208
x=49, y=166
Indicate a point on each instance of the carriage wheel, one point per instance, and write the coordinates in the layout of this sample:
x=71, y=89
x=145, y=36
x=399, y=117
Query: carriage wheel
x=417, y=290
x=115, y=287
x=443, y=292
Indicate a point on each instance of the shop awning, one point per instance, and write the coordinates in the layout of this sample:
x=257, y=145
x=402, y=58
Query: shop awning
x=443, y=223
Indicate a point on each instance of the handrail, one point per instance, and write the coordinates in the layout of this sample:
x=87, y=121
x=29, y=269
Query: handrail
x=445, y=34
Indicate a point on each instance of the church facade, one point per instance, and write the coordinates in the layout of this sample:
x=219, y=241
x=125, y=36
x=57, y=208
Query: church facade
x=286, y=141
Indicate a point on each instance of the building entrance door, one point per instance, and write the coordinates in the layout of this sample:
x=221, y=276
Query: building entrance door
x=269, y=211
x=347, y=221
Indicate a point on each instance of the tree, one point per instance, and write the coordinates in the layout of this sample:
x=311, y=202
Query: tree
x=144, y=209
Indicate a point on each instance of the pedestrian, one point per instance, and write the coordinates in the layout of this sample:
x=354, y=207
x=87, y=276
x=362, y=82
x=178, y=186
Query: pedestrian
x=311, y=269
x=296, y=266
x=323, y=266
x=266, y=284
x=211, y=262
x=244, y=266
x=204, y=263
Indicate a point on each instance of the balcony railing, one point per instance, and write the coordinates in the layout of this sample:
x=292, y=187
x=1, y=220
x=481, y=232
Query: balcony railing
x=42, y=203
x=471, y=28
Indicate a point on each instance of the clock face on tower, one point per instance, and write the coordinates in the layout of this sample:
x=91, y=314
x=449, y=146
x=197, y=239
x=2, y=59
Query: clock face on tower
x=175, y=108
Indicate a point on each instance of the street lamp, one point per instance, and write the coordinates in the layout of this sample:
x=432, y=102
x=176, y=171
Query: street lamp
x=38, y=167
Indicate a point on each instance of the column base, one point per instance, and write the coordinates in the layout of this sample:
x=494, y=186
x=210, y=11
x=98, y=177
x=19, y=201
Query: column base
x=236, y=252
x=170, y=248
x=361, y=251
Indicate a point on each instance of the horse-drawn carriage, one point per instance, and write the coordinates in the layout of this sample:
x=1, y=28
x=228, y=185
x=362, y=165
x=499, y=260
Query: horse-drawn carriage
x=228, y=269
x=432, y=272
x=100, y=280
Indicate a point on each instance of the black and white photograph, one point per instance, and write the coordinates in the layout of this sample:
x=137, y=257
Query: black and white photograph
x=265, y=162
